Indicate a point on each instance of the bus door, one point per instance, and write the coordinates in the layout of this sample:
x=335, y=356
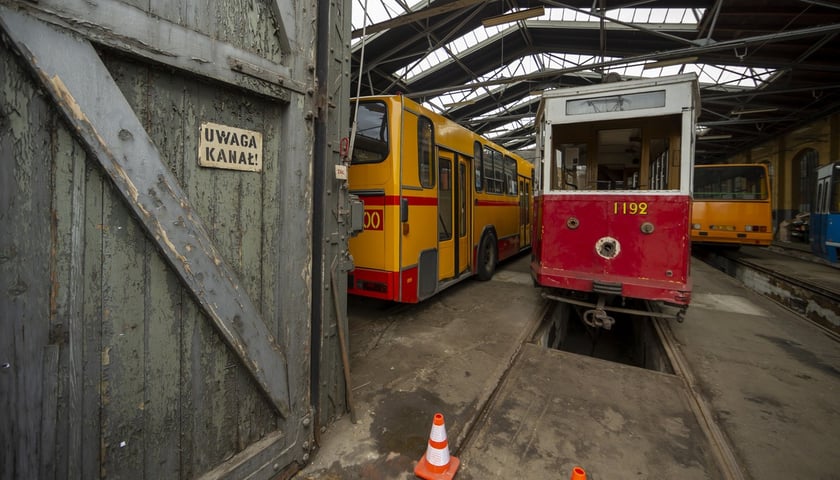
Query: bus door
x=446, y=215
x=463, y=219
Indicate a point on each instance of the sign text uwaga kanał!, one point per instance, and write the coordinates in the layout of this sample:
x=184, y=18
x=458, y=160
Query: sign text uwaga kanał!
x=230, y=155
x=221, y=146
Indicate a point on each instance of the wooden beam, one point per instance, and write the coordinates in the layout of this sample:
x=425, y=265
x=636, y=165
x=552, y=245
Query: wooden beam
x=128, y=29
x=106, y=125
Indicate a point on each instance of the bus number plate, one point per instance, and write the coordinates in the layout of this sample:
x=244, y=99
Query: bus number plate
x=630, y=208
x=373, y=219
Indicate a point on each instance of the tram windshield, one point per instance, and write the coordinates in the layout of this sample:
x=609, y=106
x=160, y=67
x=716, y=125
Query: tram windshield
x=639, y=154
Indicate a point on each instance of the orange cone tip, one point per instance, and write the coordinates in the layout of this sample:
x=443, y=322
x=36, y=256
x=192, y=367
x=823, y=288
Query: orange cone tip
x=578, y=474
x=437, y=464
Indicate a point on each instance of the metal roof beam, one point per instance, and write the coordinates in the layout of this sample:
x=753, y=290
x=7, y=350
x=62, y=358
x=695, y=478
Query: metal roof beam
x=635, y=26
x=746, y=93
x=413, y=17
x=715, y=47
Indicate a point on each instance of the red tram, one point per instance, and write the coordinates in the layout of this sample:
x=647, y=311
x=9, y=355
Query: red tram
x=613, y=205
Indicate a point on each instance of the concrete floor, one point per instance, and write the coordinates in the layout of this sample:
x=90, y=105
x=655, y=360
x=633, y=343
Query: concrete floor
x=444, y=355
x=771, y=379
x=559, y=410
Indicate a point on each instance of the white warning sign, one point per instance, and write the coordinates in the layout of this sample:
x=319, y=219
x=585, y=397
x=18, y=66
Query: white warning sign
x=231, y=148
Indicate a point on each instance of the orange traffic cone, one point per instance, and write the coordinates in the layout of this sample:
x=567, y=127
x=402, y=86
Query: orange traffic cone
x=436, y=464
x=578, y=474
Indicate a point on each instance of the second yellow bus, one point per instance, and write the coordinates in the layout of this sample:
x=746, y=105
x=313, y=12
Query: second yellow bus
x=441, y=203
x=731, y=205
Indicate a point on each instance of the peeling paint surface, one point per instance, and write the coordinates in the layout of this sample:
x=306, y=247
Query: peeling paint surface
x=153, y=377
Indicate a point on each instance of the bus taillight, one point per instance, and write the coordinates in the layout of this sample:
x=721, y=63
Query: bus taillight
x=372, y=286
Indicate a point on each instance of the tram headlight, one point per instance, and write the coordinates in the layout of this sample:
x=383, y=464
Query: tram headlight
x=695, y=226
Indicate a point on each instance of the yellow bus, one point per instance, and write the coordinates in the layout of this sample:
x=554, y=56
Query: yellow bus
x=441, y=203
x=731, y=205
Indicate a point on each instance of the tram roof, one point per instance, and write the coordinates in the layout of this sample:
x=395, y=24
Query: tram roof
x=766, y=67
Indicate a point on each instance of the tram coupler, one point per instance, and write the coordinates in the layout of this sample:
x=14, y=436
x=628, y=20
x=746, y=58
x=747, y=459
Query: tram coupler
x=598, y=317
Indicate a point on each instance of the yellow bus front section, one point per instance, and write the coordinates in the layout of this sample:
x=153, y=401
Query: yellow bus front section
x=731, y=223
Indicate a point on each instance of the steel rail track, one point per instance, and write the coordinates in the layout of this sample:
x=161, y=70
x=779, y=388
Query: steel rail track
x=721, y=447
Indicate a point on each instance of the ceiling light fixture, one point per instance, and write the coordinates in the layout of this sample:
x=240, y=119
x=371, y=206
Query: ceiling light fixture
x=670, y=62
x=747, y=111
x=513, y=16
x=715, y=137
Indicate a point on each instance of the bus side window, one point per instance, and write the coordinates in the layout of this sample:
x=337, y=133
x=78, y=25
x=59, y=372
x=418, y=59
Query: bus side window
x=498, y=172
x=510, y=176
x=487, y=162
x=425, y=152
x=478, y=166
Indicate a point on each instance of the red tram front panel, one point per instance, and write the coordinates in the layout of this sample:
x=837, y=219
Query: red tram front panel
x=634, y=245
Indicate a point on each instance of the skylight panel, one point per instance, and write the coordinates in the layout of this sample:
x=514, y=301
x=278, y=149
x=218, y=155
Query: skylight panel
x=481, y=34
x=505, y=129
x=442, y=54
x=723, y=77
x=369, y=12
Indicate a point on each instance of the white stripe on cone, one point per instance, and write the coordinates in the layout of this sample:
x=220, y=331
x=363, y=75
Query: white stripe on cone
x=438, y=433
x=438, y=457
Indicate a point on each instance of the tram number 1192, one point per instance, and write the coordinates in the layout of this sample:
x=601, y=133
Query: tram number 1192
x=630, y=208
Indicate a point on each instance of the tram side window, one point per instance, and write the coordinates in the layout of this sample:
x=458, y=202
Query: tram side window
x=478, y=166
x=659, y=172
x=659, y=164
x=570, y=167
x=834, y=207
x=425, y=152
x=822, y=199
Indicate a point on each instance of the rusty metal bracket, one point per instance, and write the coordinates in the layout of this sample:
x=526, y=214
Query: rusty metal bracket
x=597, y=317
x=679, y=316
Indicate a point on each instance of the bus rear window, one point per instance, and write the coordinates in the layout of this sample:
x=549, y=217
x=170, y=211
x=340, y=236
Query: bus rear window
x=371, y=143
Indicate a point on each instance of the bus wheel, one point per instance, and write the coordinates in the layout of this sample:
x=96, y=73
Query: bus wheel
x=486, y=258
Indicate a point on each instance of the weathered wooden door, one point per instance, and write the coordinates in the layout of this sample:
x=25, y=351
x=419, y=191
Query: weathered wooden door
x=156, y=250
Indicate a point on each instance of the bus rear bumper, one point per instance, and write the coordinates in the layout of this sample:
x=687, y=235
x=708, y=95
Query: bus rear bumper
x=731, y=238
x=384, y=285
